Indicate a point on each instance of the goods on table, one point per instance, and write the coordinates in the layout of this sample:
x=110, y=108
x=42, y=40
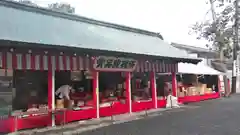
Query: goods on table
x=181, y=91
x=68, y=104
x=42, y=107
x=60, y=104
x=106, y=104
x=192, y=91
x=208, y=90
x=202, y=88
x=196, y=89
x=80, y=103
x=32, y=110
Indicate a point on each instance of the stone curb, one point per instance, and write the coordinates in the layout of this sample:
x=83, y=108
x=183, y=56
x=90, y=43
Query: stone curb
x=96, y=123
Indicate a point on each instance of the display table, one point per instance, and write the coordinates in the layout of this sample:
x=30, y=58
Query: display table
x=142, y=105
x=24, y=121
x=198, y=98
x=72, y=115
x=31, y=120
x=114, y=108
x=75, y=115
x=161, y=103
x=6, y=124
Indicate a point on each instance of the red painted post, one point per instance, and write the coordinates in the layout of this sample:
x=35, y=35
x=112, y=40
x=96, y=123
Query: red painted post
x=96, y=92
x=128, y=91
x=51, y=92
x=220, y=91
x=153, y=88
x=174, y=84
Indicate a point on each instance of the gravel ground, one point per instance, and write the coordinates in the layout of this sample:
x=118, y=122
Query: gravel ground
x=213, y=117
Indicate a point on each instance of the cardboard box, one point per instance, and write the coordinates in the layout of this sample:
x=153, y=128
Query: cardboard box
x=181, y=94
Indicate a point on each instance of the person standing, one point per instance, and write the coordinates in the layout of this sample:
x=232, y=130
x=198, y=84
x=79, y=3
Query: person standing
x=63, y=93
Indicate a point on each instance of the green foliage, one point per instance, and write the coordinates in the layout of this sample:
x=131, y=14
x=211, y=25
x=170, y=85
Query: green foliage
x=27, y=2
x=218, y=33
x=64, y=7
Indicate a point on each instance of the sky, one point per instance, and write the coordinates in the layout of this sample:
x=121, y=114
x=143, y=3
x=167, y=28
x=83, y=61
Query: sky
x=172, y=18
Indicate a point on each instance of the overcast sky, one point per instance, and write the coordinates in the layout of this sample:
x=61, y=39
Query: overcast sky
x=171, y=18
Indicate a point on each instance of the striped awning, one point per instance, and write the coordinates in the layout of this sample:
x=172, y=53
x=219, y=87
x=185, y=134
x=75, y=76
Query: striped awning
x=157, y=66
x=29, y=61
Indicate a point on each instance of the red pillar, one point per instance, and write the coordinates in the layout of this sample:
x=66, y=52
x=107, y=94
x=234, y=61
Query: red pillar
x=153, y=88
x=174, y=84
x=128, y=92
x=219, y=86
x=51, y=91
x=96, y=92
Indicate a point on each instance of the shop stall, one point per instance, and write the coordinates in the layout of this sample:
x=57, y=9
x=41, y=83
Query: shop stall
x=33, y=85
x=82, y=100
x=197, y=82
x=116, y=81
x=104, y=86
x=165, y=84
x=112, y=87
x=141, y=92
x=107, y=69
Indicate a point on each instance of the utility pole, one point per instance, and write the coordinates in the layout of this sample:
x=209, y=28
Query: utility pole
x=235, y=44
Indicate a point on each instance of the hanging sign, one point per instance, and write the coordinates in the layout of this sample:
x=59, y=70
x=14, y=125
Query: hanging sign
x=103, y=63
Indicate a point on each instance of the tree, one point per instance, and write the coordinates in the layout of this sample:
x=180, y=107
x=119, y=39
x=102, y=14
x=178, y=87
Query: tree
x=27, y=2
x=219, y=31
x=63, y=7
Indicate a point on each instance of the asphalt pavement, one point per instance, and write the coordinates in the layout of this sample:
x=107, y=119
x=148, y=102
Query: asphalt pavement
x=212, y=117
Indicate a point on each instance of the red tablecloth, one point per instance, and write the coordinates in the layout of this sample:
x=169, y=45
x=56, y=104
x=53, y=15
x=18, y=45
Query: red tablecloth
x=6, y=124
x=114, y=109
x=72, y=115
x=14, y=123
x=142, y=105
x=161, y=103
x=198, y=98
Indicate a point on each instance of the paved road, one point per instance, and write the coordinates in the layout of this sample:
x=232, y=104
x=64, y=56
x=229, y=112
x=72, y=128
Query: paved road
x=215, y=117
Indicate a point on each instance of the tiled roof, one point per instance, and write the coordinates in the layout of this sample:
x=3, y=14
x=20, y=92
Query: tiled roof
x=192, y=48
x=38, y=25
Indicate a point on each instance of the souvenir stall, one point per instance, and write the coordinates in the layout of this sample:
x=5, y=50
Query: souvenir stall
x=35, y=78
x=144, y=84
x=112, y=84
x=38, y=74
x=122, y=80
x=166, y=84
x=141, y=92
x=164, y=88
x=111, y=68
x=81, y=105
x=198, y=83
